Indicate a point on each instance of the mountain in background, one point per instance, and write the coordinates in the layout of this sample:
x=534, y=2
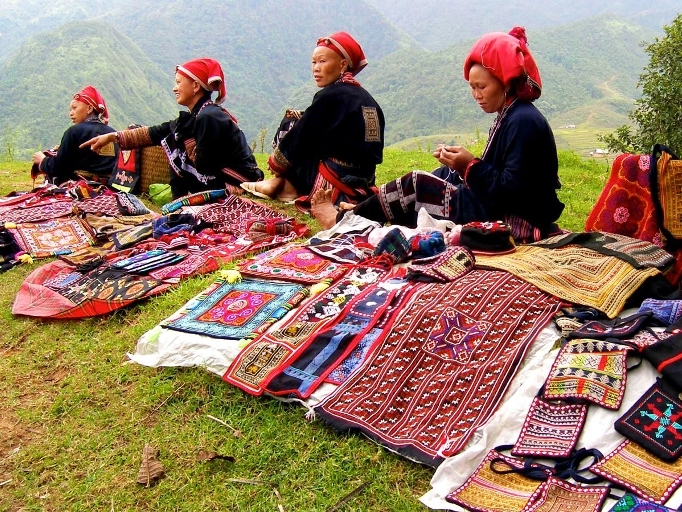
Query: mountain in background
x=436, y=24
x=128, y=49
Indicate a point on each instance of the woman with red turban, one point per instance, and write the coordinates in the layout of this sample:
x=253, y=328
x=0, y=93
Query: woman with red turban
x=339, y=139
x=90, y=117
x=205, y=147
x=516, y=178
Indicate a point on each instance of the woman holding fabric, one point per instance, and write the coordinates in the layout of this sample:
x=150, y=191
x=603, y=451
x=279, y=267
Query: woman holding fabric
x=338, y=141
x=516, y=178
x=206, y=148
x=90, y=118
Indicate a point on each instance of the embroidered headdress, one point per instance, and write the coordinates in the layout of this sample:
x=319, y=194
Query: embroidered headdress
x=208, y=74
x=507, y=57
x=90, y=96
x=344, y=44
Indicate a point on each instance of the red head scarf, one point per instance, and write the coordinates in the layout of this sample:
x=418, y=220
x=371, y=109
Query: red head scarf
x=507, y=57
x=209, y=75
x=90, y=96
x=344, y=44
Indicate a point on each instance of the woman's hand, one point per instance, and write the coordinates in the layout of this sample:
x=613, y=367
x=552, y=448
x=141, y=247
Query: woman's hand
x=97, y=143
x=38, y=157
x=455, y=157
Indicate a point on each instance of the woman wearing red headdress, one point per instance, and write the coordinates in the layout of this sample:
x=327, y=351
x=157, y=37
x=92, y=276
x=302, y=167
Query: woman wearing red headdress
x=90, y=117
x=516, y=178
x=338, y=141
x=205, y=147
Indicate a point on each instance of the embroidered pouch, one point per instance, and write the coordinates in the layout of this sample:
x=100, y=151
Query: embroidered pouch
x=558, y=495
x=631, y=503
x=666, y=311
x=654, y=421
x=488, y=490
x=550, y=430
x=590, y=370
x=634, y=468
x=666, y=356
x=617, y=328
x=666, y=177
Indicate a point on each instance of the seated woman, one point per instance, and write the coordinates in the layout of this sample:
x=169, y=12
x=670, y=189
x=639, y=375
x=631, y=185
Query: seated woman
x=516, y=178
x=90, y=117
x=205, y=147
x=338, y=141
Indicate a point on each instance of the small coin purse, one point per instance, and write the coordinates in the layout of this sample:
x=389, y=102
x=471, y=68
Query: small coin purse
x=655, y=421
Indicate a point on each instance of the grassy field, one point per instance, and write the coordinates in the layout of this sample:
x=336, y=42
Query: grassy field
x=75, y=414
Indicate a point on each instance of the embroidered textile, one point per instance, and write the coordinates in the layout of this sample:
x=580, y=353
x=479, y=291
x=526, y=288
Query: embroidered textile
x=234, y=310
x=97, y=292
x=666, y=311
x=550, y=429
x=292, y=263
x=619, y=328
x=591, y=370
x=447, y=266
x=440, y=372
x=208, y=196
x=235, y=214
x=103, y=204
x=58, y=236
x=257, y=360
x=302, y=374
x=489, y=491
x=39, y=213
x=556, y=495
x=342, y=248
x=638, y=253
x=632, y=467
x=574, y=274
x=631, y=503
x=130, y=204
x=654, y=421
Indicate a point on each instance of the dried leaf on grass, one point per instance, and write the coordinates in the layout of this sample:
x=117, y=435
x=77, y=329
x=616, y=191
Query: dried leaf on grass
x=207, y=456
x=151, y=469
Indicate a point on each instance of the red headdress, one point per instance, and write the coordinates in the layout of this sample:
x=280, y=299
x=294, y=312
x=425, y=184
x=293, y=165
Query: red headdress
x=344, y=44
x=507, y=57
x=90, y=96
x=208, y=74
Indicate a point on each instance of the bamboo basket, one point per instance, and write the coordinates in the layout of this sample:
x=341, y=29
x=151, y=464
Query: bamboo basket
x=154, y=167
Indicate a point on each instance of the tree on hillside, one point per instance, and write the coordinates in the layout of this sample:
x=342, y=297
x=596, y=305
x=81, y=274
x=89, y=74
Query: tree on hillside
x=657, y=114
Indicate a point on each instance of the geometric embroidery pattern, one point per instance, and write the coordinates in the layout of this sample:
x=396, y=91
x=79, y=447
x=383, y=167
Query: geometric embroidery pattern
x=488, y=491
x=234, y=310
x=550, y=430
x=591, y=370
x=556, y=495
x=427, y=385
x=254, y=364
x=655, y=423
x=632, y=467
x=293, y=263
x=631, y=503
x=53, y=237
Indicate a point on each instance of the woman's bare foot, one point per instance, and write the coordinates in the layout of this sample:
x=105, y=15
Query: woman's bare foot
x=322, y=209
x=266, y=189
x=288, y=192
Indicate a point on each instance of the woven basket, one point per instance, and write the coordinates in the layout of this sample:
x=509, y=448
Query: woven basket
x=154, y=167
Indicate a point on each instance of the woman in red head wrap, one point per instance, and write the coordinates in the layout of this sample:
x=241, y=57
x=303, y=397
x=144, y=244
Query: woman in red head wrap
x=338, y=141
x=205, y=147
x=90, y=117
x=516, y=178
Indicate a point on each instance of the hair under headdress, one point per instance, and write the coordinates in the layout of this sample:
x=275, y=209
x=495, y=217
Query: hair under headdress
x=344, y=44
x=208, y=74
x=91, y=96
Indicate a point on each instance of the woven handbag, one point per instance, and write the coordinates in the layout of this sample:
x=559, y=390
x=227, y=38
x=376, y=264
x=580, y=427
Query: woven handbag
x=154, y=167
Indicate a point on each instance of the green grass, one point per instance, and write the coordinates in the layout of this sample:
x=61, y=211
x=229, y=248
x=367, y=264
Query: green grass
x=75, y=414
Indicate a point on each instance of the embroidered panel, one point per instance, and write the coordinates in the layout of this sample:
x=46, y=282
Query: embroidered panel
x=655, y=421
x=234, y=310
x=632, y=467
x=556, y=495
x=372, y=125
x=293, y=263
x=39, y=213
x=574, y=274
x=441, y=371
x=256, y=361
x=489, y=491
x=54, y=237
x=301, y=375
x=591, y=370
x=550, y=430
